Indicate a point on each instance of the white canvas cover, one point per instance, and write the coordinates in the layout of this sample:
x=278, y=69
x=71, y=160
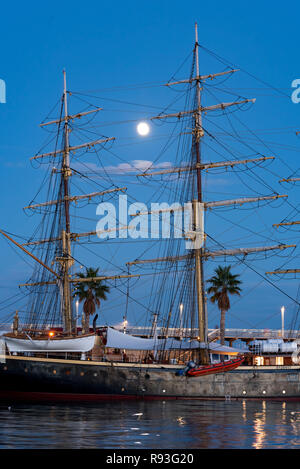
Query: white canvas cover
x=117, y=339
x=78, y=344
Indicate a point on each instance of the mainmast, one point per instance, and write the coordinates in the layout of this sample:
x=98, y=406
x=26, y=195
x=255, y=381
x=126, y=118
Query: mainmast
x=198, y=133
x=199, y=254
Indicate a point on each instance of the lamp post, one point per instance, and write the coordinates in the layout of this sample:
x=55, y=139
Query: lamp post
x=282, y=321
x=180, y=320
x=77, y=307
x=125, y=322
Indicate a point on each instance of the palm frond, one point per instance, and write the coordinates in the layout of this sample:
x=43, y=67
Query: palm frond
x=223, y=284
x=90, y=292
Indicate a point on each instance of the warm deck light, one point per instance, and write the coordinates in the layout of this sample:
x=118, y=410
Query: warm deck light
x=51, y=334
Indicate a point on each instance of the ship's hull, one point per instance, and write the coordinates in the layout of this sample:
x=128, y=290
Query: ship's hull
x=38, y=379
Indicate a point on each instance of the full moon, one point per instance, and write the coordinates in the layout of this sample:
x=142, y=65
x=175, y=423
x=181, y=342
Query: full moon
x=143, y=128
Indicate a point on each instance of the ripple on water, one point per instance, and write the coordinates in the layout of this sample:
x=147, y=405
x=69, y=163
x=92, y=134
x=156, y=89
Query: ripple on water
x=174, y=424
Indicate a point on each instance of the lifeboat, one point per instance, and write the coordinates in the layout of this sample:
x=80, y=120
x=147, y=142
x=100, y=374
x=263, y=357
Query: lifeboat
x=216, y=368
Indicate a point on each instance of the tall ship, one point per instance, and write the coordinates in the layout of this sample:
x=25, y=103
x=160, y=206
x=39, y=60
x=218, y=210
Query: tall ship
x=48, y=355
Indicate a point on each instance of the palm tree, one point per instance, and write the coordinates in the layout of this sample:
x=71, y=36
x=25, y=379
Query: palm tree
x=91, y=293
x=223, y=283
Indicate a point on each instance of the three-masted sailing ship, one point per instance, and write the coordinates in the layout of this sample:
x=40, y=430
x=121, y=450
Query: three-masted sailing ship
x=44, y=362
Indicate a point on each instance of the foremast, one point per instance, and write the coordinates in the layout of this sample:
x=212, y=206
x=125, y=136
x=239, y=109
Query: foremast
x=66, y=260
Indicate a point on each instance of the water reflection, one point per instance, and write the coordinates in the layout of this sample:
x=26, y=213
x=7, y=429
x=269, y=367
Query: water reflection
x=176, y=424
x=259, y=425
x=244, y=412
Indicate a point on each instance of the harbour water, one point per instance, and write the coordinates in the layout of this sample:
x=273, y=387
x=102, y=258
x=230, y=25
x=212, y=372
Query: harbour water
x=152, y=425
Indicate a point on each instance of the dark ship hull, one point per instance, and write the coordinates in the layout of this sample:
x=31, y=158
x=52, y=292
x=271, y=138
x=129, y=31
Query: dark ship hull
x=43, y=379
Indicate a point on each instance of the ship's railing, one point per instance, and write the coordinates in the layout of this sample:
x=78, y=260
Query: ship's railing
x=261, y=334
x=213, y=334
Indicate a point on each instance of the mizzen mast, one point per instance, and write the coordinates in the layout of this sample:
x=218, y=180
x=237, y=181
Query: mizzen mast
x=287, y=223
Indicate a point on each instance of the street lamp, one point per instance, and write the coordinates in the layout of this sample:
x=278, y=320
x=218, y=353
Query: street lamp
x=282, y=321
x=77, y=307
x=125, y=322
x=180, y=319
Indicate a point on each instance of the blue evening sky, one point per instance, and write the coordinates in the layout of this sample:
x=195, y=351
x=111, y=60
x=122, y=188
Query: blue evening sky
x=120, y=51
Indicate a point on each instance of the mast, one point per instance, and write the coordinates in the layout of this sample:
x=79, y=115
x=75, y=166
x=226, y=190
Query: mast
x=199, y=254
x=66, y=259
x=60, y=223
x=198, y=133
x=287, y=223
